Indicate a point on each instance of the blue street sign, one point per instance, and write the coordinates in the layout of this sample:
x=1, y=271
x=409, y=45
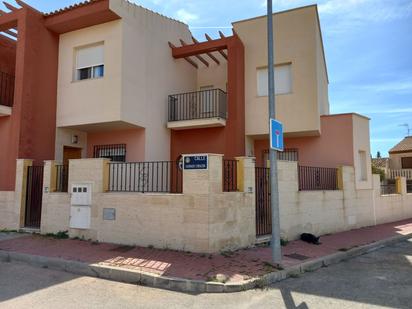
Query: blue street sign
x=195, y=162
x=276, y=135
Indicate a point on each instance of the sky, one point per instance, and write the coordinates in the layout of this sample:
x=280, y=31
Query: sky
x=368, y=46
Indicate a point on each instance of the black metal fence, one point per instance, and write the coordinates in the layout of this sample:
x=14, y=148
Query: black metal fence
x=290, y=154
x=6, y=89
x=198, y=105
x=229, y=175
x=409, y=186
x=156, y=177
x=62, y=178
x=317, y=178
x=263, y=209
x=388, y=188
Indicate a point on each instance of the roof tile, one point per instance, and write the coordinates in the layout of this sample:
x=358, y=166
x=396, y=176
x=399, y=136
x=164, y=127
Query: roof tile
x=71, y=7
x=404, y=145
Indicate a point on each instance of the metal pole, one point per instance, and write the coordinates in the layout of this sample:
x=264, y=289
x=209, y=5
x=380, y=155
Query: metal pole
x=274, y=197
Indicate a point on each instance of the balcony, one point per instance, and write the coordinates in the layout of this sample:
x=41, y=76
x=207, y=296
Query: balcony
x=6, y=93
x=199, y=109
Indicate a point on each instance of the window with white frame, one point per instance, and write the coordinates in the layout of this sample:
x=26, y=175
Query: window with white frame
x=89, y=62
x=283, y=80
x=363, y=166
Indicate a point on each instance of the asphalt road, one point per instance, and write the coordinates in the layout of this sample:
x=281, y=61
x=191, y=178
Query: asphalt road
x=379, y=279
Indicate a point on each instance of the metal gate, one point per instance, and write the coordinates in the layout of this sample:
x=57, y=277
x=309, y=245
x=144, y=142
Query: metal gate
x=34, y=195
x=263, y=211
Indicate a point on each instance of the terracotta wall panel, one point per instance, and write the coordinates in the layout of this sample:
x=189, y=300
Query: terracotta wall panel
x=134, y=140
x=332, y=148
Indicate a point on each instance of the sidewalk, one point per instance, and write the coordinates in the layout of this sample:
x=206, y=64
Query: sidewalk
x=236, y=266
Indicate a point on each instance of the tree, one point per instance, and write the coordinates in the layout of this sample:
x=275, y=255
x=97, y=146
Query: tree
x=378, y=154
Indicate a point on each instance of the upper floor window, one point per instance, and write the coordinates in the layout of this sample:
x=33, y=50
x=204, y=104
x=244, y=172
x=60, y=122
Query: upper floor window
x=406, y=162
x=283, y=80
x=89, y=62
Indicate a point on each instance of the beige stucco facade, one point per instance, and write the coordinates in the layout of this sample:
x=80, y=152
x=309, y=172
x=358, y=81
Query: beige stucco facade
x=65, y=137
x=96, y=100
x=215, y=75
x=361, y=152
x=139, y=75
x=298, y=42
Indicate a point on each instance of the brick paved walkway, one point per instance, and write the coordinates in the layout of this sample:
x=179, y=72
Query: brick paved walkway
x=237, y=266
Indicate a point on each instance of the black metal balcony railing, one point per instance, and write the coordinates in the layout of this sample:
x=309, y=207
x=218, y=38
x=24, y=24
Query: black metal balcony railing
x=6, y=89
x=198, y=105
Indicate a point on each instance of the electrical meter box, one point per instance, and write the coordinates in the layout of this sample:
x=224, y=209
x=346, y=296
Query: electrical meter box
x=81, y=202
x=81, y=194
x=80, y=217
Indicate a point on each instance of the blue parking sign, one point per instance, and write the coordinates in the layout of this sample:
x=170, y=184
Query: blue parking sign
x=276, y=135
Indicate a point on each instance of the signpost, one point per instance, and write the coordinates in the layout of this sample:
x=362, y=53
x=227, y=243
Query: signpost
x=276, y=140
x=276, y=135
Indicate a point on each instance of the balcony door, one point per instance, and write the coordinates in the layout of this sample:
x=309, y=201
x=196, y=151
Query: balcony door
x=206, y=106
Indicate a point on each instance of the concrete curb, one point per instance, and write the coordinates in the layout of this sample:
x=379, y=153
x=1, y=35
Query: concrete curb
x=190, y=286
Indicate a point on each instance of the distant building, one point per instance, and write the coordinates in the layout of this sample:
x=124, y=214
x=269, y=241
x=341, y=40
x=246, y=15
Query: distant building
x=400, y=156
x=381, y=163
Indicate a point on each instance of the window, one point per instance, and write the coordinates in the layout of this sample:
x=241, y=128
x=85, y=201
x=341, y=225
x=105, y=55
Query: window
x=89, y=62
x=406, y=162
x=283, y=80
x=362, y=166
x=116, y=153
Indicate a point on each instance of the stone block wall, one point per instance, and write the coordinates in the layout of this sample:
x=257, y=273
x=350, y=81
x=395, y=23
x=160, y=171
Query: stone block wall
x=324, y=212
x=202, y=219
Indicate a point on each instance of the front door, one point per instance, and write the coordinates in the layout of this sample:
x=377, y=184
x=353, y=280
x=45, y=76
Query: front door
x=71, y=153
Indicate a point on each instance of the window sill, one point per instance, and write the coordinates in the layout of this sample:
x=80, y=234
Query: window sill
x=85, y=80
x=278, y=95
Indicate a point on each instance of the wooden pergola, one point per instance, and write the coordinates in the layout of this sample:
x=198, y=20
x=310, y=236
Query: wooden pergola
x=8, y=20
x=231, y=50
x=203, y=51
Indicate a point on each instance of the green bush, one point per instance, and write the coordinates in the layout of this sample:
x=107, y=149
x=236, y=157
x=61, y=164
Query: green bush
x=380, y=172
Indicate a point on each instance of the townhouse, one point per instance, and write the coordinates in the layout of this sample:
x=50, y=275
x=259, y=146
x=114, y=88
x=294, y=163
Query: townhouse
x=112, y=79
x=111, y=95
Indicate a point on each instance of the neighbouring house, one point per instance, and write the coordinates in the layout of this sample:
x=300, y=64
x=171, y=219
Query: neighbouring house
x=400, y=156
x=381, y=164
x=399, y=162
x=130, y=91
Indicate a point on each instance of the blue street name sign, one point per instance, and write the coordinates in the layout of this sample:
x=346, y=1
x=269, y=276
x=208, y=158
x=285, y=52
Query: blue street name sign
x=195, y=162
x=276, y=135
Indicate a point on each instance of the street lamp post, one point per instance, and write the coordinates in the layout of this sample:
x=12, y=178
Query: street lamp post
x=274, y=198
